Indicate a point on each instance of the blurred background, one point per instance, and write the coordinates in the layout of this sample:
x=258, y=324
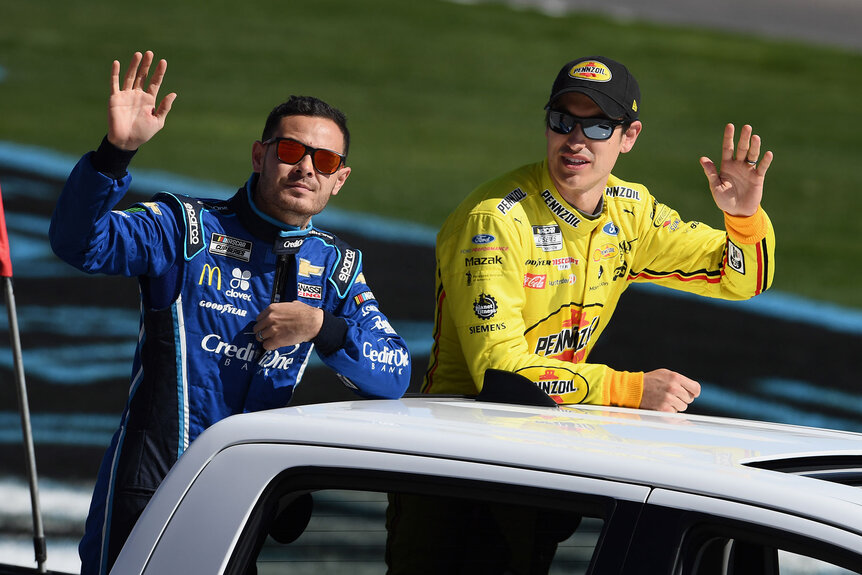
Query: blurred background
x=440, y=97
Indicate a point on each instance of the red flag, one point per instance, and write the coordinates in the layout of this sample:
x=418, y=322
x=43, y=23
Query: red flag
x=5, y=259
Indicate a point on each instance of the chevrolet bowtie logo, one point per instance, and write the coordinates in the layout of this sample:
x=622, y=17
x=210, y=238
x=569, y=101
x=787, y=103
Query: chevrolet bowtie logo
x=306, y=269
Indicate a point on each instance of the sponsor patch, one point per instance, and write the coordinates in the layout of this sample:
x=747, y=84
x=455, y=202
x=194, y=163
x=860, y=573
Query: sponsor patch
x=623, y=192
x=611, y=229
x=307, y=269
x=363, y=297
x=309, y=291
x=548, y=238
x=154, y=207
x=510, y=200
x=236, y=248
x=227, y=308
x=535, y=281
x=591, y=70
x=560, y=210
x=735, y=257
x=483, y=239
x=483, y=261
x=486, y=328
x=606, y=252
x=557, y=382
x=485, y=306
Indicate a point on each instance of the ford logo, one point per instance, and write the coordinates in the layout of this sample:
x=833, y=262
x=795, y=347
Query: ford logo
x=483, y=239
x=611, y=229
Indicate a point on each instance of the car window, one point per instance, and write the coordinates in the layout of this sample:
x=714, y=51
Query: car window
x=345, y=531
x=362, y=530
x=722, y=555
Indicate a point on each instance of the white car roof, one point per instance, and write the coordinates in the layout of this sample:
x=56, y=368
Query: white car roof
x=717, y=457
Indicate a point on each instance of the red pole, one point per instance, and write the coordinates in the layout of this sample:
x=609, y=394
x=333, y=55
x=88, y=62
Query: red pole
x=6, y=273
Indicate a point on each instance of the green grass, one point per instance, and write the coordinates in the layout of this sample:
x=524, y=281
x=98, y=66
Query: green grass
x=441, y=97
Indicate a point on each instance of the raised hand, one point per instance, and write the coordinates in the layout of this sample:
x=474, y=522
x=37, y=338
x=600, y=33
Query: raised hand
x=133, y=118
x=738, y=188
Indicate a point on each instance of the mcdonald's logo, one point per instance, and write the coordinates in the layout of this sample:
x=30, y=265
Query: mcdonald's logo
x=213, y=270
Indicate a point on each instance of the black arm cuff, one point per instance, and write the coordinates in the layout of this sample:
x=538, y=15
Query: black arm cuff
x=111, y=160
x=332, y=334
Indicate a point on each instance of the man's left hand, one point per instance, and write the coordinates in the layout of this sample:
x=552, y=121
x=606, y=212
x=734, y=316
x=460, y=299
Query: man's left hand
x=738, y=188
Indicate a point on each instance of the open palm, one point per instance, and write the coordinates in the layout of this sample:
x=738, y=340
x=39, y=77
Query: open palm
x=133, y=117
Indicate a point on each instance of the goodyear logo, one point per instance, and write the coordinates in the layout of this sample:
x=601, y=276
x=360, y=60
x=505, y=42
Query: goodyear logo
x=591, y=70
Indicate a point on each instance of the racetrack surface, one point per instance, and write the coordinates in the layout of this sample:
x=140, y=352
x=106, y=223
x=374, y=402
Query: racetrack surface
x=827, y=22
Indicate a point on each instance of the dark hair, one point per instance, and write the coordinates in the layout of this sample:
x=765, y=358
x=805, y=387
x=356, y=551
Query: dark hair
x=307, y=106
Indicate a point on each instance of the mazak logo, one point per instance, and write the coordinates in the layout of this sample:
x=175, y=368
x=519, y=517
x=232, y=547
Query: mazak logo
x=535, y=281
x=210, y=271
x=483, y=260
x=347, y=266
x=386, y=360
x=239, y=284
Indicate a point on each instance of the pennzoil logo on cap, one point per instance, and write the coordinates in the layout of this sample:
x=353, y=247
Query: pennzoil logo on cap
x=591, y=70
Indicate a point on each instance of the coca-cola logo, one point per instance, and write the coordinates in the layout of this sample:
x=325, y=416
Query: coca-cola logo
x=535, y=281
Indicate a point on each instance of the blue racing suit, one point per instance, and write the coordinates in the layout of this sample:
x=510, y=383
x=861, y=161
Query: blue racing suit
x=206, y=269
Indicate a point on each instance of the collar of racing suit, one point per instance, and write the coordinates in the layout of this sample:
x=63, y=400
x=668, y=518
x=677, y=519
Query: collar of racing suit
x=258, y=223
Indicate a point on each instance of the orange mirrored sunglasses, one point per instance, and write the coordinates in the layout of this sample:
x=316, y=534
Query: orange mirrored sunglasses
x=291, y=151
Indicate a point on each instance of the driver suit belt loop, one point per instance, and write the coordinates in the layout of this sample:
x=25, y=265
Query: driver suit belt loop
x=286, y=247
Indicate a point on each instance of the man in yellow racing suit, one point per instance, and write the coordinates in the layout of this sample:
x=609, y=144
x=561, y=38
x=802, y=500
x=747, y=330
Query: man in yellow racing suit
x=531, y=265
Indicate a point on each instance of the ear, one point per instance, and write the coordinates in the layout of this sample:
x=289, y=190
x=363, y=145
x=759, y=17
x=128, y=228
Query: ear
x=630, y=136
x=340, y=179
x=258, y=151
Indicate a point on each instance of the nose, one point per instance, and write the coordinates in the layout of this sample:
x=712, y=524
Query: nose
x=305, y=164
x=576, y=136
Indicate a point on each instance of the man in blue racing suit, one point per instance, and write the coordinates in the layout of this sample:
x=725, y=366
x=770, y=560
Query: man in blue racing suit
x=235, y=293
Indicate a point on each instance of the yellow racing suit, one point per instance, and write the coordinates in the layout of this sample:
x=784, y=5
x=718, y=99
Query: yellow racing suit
x=526, y=283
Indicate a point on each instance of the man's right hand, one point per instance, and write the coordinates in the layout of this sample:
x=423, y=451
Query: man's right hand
x=666, y=390
x=133, y=118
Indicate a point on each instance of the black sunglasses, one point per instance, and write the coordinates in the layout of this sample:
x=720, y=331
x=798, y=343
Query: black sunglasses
x=292, y=151
x=593, y=128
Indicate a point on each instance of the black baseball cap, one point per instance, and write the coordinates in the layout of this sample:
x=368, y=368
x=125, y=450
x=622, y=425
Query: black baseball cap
x=606, y=81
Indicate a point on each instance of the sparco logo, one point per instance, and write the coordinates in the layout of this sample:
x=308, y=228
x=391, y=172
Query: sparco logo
x=388, y=360
x=347, y=266
x=194, y=227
